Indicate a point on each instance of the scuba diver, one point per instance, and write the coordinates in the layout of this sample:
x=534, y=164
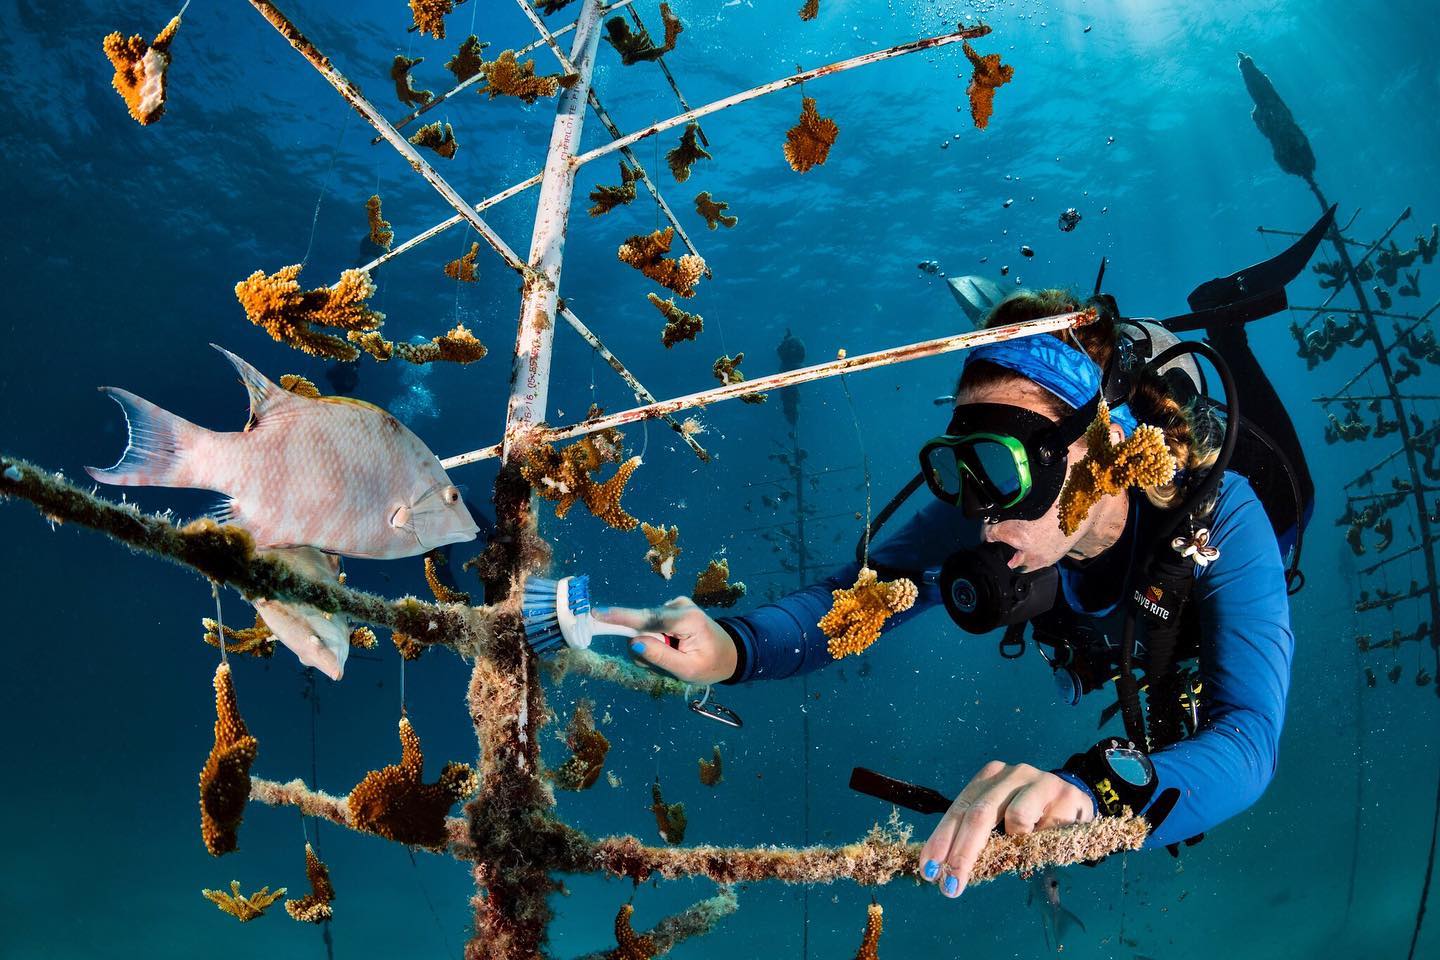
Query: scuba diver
x=1186, y=580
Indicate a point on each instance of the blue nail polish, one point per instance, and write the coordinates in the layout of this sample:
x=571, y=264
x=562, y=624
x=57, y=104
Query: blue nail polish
x=636, y=646
x=952, y=886
x=931, y=868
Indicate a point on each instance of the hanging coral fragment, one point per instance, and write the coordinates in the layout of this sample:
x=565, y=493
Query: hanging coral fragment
x=567, y=477
x=430, y=16
x=710, y=770
x=629, y=944
x=636, y=46
x=225, y=778
x=727, y=371
x=439, y=137
x=810, y=10
x=858, y=613
x=434, y=578
x=405, y=88
x=238, y=905
x=395, y=803
x=679, y=325
x=870, y=943
x=299, y=386
x=256, y=641
x=588, y=748
x=808, y=143
x=277, y=304
x=380, y=233
x=714, y=211
x=463, y=268
x=467, y=61
x=669, y=817
x=646, y=253
x=713, y=587
x=664, y=548
x=315, y=906
x=140, y=71
x=606, y=198
x=1142, y=459
x=457, y=346
x=505, y=76
x=988, y=75
x=683, y=156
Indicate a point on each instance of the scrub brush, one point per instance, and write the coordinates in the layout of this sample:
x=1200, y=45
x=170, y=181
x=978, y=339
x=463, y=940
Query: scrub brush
x=557, y=613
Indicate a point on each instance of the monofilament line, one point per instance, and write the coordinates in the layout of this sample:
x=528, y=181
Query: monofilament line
x=864, y=460
x=219, y=623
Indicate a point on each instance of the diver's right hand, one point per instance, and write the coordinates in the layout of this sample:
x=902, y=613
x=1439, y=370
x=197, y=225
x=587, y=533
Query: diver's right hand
x=703, y=651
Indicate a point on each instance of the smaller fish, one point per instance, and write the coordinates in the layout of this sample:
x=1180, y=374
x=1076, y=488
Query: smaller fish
x=1055, y=920
x=320, y=640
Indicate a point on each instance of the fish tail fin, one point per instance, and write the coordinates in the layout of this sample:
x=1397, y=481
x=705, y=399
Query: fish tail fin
x=156, y=446
x=1065, y=921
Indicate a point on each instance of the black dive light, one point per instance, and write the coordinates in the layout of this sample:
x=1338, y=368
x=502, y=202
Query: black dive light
x=982, y=593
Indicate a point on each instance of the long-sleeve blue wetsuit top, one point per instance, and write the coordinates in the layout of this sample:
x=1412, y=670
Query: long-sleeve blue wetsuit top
x=1245, y=648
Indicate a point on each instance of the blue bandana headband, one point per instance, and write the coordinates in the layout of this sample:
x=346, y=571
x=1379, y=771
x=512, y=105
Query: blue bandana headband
x=1063, y=370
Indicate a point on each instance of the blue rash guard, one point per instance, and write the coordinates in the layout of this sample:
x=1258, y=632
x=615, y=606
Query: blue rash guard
x=1245, y=647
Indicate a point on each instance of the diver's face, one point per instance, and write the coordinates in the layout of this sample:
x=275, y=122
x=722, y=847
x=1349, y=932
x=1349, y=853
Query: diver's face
x=1038, y=543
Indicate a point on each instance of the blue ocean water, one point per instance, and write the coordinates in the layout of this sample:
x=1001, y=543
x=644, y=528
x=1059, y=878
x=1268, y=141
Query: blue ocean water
x=123, y=245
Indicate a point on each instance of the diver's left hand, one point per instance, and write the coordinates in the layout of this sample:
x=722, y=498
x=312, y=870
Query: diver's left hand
x=1021, y=797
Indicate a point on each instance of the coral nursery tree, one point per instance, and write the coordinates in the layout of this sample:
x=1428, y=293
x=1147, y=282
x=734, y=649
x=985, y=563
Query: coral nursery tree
x=509, y=831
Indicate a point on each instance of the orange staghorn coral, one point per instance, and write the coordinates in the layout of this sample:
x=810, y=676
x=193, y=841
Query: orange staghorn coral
x=405, y=88
x=714, y=211
x=1142, y=459
x=870, y=945
x=257, y=641
x=439, y=137
x=314, y=907
x=646, y=253
x=683, y=157
x=225, y=778
x=396, y=804
x=506, y=76
x=566, y=476
x=364, y=638
x=988, y=75
x=606, y=198
x=140, y=71
x=808, y=143
x=444, y=592
x=463, y=268
x=588, y=748
x=855, y=619
x=669, y=817
x=457, y=346
x=663, y=548
x=636, y=46
x=630, y=945
x=467, y=61
x=238, y=905
x=277, y=304
x=727, y=371
x=603, y=499
x=679, y=325
x=713, y=587
x=300, y=386
x=710, y=773
x=380, y=233
x=810, y=10
x=430, y=16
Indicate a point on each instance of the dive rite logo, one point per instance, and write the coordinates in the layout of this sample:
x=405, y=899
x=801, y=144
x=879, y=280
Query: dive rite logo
x=1149, y=601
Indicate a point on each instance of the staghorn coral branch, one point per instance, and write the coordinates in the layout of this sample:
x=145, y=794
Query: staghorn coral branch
x=914, y=46
x=694, y=921
x=819, y=371
x=317, y=803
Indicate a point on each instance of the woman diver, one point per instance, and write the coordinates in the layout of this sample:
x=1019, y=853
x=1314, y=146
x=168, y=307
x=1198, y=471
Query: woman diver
x=1109, y=596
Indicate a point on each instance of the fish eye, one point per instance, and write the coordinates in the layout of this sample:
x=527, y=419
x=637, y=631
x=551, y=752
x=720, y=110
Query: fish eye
x=450, y=495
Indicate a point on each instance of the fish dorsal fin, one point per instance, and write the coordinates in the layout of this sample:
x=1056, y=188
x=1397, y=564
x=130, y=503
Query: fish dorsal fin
x=353, y=402
x=265, y=395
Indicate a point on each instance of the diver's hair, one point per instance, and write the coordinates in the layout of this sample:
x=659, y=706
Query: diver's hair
x=1188, y=434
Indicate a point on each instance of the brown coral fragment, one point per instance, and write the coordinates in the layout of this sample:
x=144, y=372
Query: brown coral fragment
x=140, y=71
x=396, y=804
x=630, y=945
x=646, y=253
x=277, y=304
x=405, y=88
x=439, y=137
x=588, y=748
x=727, y=371
x=679, y=325
x=988, y=75
x=713, y=587
x=810, y=10
x=506, y=76
x=664, y=548
x=444, y=592
x=238, y=905
x=463, y=268
x=808, y=143
x=430, y=16
x=467, y=61
x=710, y=769
x=567, y=477
x=225, y=778
x=458, y=346
x=256, y=641
x=870, y=944
x=858, y=613
x=300, y=386
x=669, y=817
x=606, y=198
x=380, y=233
x=682, y=157
x=635, y=46
x=714, y=211
x=1142, y=459
x=408, y=646
x=364, y=638
x=314, y=907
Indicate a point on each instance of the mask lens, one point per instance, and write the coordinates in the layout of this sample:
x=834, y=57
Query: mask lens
x=996, y=463
x=943, y=469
